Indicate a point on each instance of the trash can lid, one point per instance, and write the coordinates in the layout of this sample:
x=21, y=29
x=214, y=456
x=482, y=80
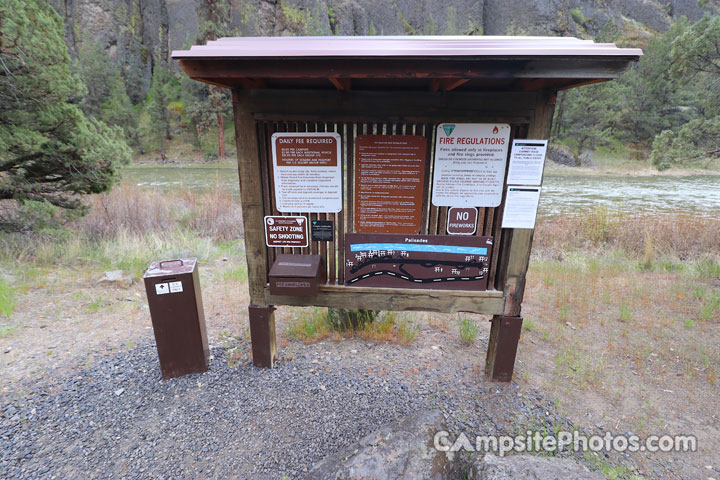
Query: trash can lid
x=171, y=267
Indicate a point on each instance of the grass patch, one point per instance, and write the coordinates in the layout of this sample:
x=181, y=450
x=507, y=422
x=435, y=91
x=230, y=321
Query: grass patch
x=94, y=304
x=379, y=330
x=707, y=268
x=7, y=298
x=468, y=330
x=625, y=311
x=609, y=470
x=579, y=366
x=309, y=324
x=7, y=330
x=395, y=327
x=710, y=308
x=315, y=323
x=237, y=273
x=530, y=325
x=407, y=330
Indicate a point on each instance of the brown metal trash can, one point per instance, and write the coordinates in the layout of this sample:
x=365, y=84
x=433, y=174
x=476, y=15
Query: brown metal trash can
x=176, y=309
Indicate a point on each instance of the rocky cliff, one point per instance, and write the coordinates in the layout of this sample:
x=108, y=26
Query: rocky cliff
x=140, y=33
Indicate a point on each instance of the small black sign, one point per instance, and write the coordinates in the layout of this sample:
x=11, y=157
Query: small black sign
x=322, y=231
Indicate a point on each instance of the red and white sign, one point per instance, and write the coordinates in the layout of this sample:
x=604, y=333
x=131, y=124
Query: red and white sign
x=286, y=231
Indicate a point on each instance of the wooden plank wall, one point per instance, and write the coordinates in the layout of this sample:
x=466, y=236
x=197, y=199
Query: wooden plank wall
x=434, y=219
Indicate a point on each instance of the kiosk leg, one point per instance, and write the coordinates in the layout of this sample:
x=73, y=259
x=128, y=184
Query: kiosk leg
x=262, y=335
x=502, y=347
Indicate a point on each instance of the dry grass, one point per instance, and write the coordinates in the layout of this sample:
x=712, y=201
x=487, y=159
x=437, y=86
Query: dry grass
x=129, y=209
x=679, y=235
x=128, y=227
x=311, y=325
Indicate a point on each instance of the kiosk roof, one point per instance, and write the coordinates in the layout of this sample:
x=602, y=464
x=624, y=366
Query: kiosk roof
x=447, y=62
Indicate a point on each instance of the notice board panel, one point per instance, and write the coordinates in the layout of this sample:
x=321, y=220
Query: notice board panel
x=470, y=164
x=417, y=261
x=307, y=171
x=389, y=179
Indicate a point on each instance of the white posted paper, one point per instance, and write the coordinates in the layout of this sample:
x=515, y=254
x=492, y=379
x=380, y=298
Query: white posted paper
x=307, y=169
x=527, y=158
x=521, y=205
x=470, y=164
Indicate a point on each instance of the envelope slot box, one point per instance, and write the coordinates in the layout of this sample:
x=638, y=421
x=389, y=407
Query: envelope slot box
x=297, y=275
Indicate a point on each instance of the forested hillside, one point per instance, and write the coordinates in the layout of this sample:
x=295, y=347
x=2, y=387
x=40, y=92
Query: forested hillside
x=103, y=66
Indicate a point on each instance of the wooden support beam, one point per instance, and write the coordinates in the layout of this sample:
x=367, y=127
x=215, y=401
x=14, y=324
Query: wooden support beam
x=227, y=70
x=397, y=299
x=502, y=347
x=251, y=196
x=505, y=329
x=446, y=84
x=398, y=107
x=341, y=83
x=521, y=241
x=262, y=335
x=251, y=83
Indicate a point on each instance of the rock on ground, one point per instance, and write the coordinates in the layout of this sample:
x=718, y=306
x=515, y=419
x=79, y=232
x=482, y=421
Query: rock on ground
x=529, y=467
x=564, y=156
x=400, y=450
x=116, y=277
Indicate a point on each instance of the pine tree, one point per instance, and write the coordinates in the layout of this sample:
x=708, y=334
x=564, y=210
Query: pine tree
x=216, y=22
x=160, y=98
x=49, y=150
x=695, y=60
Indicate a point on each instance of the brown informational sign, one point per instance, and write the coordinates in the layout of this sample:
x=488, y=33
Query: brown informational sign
x=307, y=172
x=462, y=221
x=389, y=179
x=417, y=261
x=286, y=231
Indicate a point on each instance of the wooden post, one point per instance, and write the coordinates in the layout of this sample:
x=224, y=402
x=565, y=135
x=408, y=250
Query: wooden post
x=262, y=320
x=505, y=329
x=262, y=335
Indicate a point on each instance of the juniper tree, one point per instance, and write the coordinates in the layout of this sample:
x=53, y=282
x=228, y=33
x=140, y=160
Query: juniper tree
x=49, y=150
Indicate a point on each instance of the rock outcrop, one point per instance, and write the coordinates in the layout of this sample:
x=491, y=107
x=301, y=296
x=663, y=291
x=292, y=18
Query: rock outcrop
x=529, y=467
x=401, y=450
x=140, y=33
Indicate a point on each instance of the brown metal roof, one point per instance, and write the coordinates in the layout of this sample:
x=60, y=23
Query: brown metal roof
x=371, y=63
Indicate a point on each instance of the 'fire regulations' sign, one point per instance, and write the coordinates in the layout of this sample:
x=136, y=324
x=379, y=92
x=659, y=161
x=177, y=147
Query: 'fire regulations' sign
x=470, y=164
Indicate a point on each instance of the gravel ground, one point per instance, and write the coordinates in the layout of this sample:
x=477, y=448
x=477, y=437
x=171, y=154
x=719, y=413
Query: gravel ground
x=118, y=419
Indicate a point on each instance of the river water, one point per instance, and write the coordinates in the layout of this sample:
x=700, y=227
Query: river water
x=561, y=194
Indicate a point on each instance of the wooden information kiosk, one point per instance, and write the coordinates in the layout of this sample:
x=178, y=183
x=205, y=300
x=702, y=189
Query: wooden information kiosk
x=394, y=173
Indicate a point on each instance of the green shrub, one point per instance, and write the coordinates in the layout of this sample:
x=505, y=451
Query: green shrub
x=468, y=330
x=7, y=298
x=341, y=319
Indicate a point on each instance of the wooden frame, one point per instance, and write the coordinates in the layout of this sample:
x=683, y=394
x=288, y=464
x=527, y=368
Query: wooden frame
x=258, y=113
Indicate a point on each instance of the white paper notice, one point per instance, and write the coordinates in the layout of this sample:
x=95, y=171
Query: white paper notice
x=527, y=158
x=307, y=169
x=470, y=164
x=521, y=205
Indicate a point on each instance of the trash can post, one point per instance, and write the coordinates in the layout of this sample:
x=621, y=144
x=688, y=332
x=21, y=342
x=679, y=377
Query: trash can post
x=262, y=335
